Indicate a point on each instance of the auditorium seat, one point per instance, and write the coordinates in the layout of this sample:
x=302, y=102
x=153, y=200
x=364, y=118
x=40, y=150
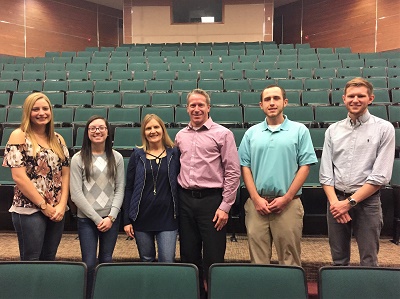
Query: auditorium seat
x=370, y=282
x=230, y=98
x=235, y=280
x=78, y=98
x=36, y=279
x=106, y=98
x=325, y=73
x=167, y=114
x=146, y=280
x=106, y=85
x=166, y=99
x=132, y=98
x=57, y=98
x=228, y=116
x=326, y=115
x=56, y=75
x=183, y=85
x=303, y=114
x=349, y=72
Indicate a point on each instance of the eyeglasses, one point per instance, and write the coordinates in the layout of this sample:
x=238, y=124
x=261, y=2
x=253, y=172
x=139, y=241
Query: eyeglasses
x=94, y=129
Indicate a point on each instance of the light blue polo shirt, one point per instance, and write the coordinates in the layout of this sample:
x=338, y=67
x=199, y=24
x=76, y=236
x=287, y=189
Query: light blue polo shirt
x=275, y=156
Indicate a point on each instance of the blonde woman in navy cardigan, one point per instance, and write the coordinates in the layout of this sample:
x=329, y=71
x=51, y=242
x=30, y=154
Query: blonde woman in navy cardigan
x=150, y=202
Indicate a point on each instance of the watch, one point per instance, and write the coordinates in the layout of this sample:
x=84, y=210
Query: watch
x=42, y=205
x=111, y=218
x=352, y=201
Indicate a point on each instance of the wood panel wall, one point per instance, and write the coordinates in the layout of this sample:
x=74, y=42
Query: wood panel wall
x=33, y=27
x=363, y=25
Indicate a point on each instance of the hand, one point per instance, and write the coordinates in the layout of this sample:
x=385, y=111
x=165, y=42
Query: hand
x=129, y=231
x=49, y=211
x=261, y=205
x=344, y=218
x=59, y=213
x=104, y=224
x=277, y=205
x=339, y=208
x=220, y=219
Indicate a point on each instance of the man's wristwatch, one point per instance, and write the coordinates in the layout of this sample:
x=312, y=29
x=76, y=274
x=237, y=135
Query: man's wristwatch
x=352, y=201
x=111, y=218
x=42, y=205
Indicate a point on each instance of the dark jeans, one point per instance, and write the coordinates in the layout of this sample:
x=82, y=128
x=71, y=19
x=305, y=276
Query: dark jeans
x=89, y=235
x=38, y=236
x=200, y=243
x=366, y=225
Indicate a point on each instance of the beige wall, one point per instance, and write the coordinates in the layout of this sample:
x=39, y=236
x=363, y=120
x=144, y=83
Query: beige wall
x=152, y=24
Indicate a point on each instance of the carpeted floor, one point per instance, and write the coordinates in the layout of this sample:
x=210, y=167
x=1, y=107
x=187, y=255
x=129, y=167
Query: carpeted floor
x=315, y=251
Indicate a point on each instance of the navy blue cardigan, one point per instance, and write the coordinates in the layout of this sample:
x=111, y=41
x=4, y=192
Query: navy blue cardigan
x=136, y=177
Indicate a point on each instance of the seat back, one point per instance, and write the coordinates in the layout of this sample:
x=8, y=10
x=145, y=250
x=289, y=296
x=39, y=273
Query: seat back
x=43, y=279
x=146, y=280
x=256, y=281
x=358, y=282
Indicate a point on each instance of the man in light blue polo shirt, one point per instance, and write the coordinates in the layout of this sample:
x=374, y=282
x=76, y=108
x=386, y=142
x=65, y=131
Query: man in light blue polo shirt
x=275, y=156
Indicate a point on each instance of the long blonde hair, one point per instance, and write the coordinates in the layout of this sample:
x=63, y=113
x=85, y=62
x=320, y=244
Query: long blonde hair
x=166, y=140
x=26, y=125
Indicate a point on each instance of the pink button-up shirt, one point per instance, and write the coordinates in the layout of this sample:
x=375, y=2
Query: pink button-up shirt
x=209, y=159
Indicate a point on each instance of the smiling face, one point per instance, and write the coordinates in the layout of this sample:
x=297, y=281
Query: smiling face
x=272, y=103
x=40, y=113
x=153, y=132
x=198, y=109
x=357, y=100
x=97, y=131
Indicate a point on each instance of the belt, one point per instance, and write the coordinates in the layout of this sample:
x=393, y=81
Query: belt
x=200, y=193
x=271, y=198
x=342, y=193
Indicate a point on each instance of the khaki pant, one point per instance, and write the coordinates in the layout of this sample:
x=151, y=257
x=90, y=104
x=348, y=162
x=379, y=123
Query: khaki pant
x=284, y=229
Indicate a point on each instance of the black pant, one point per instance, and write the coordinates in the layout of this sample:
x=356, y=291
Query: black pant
x=197, y=231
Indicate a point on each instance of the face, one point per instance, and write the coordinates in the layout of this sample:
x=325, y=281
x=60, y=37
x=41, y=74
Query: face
x=273, y=103
x=97, y=131
x=198, y=109
x=40, y=113
x=153, y=132
x=357, y=100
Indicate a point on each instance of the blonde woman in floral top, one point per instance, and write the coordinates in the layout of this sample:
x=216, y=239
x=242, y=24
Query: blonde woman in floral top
x=39, y=162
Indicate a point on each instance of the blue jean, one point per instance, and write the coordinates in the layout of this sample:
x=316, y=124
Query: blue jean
x=89, y=235
x=166, y=244
x=38, y=236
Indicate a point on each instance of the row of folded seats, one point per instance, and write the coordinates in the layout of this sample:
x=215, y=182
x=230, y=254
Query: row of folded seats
x=209, y=84
x=155, y=97
x=367, y=59
x=240, y=72
x=172, y=105
x=377, y=66
x=126, y=121
x=64, y=279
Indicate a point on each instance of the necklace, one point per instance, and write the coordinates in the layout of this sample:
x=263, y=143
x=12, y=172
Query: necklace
x=158, y=158
x=152, y=173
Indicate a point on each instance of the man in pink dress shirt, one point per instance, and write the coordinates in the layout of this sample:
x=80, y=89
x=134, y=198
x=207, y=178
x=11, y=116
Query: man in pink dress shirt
x=208, y=180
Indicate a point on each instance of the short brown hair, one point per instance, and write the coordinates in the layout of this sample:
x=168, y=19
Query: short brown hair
x=199, y=91
x=357, y=82
x=271, y=86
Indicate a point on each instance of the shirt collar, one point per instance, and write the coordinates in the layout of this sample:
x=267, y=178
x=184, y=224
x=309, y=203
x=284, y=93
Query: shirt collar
x=207, y=124
x=359, y=121
x=283, y=127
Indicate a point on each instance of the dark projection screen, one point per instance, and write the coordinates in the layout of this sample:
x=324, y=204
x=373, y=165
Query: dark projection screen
x=191, y=11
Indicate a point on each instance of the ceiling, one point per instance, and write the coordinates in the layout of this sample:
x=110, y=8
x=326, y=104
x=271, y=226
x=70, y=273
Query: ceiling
x=118, y=4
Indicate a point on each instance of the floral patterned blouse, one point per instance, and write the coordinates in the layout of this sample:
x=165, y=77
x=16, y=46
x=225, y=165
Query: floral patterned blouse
x=44, y=170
